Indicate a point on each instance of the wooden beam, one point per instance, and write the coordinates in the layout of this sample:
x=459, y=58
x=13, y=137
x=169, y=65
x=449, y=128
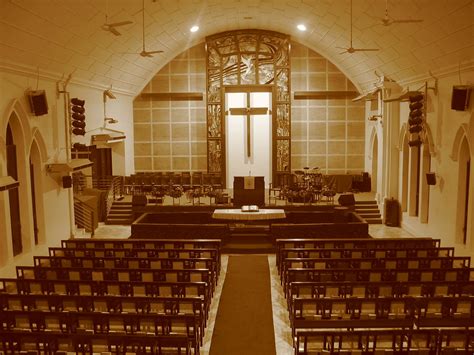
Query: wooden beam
x=174, y=96
x=318, y=95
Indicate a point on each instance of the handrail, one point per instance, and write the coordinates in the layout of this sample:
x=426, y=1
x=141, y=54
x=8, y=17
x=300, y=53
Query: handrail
x=84, y=216
x=114, y=192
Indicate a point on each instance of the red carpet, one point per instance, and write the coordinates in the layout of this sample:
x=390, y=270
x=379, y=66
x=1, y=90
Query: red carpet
x=244, y=322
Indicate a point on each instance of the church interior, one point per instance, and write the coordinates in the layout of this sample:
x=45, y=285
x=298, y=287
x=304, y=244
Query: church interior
x=236, y=177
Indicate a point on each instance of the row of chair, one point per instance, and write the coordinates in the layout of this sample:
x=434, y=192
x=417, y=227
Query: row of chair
x=353, y=285
x=145, y=181
x=383, y=341
x=162, y=292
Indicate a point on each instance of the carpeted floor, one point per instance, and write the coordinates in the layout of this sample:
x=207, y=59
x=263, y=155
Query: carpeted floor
x=244, y=323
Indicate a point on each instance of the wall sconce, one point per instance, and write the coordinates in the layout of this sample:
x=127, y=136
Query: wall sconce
x=108, y=94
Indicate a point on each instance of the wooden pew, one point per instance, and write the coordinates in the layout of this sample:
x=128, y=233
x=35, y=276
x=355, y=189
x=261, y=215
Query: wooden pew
x=373, y=341
x=363, y=243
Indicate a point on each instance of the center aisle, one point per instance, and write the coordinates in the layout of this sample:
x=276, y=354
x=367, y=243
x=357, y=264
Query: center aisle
x=244, y=322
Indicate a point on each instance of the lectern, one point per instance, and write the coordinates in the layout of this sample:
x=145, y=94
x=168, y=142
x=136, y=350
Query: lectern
x=249, y=190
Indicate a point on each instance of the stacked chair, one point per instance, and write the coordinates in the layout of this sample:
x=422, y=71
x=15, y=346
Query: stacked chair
x=377, y=296
x=111, y=296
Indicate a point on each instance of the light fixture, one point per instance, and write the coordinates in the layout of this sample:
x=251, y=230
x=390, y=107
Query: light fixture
x=301, y=27
x=108, y=94
x=110, y=120
x=195, y=28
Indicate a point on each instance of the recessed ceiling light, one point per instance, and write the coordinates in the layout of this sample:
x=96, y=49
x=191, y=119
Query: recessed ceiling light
x=194, y=29
x=301, y=27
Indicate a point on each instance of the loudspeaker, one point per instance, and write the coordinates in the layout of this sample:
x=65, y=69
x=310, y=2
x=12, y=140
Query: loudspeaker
x=38, y=102
x=67, y=182
x=346, y=200
x=392, y=212
x=431, y=178
x=460, y=98
x=139, y=200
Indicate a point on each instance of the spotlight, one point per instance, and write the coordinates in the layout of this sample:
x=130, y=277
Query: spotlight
x=194, y=28
x=301, y=27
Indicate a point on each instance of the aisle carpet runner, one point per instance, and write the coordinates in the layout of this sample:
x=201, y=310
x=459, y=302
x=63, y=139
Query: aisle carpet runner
x=244, y=323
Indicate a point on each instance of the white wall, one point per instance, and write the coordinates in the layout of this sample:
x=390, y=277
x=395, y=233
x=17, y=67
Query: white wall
x=49, y=133
x=444, y=124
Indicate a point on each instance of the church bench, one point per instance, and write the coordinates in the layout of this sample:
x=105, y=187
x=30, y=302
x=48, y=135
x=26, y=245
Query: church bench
x=378, y=289
x=168, y=243
x=212, y=253
x=74, y=273
x=103, y=323
x=105, y=303
x=356, y=243
x=396, y=263
x=328, y=313
x=375, y=275
x=13, y=342
x=128, y=263
x=380, y=253
x=381, y=312
x=373, y=341
x=114, y=288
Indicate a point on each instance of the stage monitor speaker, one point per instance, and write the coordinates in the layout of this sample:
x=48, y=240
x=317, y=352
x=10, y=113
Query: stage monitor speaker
x=67, y=182
x=431, y=178
x=460, y=98
x=346, y=200
x=38, y=102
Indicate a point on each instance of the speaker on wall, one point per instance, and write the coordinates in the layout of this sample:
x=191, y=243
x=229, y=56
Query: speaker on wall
x=460, y=98
x=67, y=182
x=38, y=102
x=431, y=178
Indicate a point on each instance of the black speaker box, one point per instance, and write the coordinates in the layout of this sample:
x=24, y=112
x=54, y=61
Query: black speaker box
x=38, y=102
x=139, y=200
x=346, y=200
x=392, y=212
x=431, y=178
x=460, y=98
x=67, y=181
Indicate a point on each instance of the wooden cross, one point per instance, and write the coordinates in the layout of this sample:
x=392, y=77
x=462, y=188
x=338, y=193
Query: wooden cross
x=248, y=111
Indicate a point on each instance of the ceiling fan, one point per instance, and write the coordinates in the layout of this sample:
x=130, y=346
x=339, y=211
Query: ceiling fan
x=351, y=49
x=387, y=20
x=111, y=27
x=144, y=52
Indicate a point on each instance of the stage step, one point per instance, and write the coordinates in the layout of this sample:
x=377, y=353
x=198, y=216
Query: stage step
x=120, y=213
x=369, y=211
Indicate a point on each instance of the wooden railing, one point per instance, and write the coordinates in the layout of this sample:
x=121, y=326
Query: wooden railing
x=84, y=216
x=114, y=192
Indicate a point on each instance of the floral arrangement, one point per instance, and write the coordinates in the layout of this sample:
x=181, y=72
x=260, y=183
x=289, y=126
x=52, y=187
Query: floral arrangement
x=176, y=191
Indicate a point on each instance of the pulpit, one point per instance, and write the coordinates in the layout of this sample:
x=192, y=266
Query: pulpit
x=249, y=190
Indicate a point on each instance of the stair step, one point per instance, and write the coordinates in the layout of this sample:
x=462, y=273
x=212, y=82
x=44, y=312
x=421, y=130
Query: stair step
x=113, y=212
x=122, y=203
x=371, y=215
x=119, y=207
x=373, y=220
x=367, y=206
x=370, y=202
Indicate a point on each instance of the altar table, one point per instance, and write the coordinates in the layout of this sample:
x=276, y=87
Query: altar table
x=237, y=214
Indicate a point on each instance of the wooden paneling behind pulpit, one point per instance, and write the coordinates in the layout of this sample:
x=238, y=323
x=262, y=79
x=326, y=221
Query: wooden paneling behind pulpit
x=248, y=196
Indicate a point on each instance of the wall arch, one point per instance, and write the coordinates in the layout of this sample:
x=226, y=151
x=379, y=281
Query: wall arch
x=36, y=163
x=37, y=138
x=17, y=120
x=462, y=132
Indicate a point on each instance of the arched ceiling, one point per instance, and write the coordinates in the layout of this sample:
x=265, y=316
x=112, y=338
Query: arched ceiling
x=60, y=37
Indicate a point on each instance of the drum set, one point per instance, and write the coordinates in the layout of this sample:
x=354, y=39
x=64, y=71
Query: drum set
x=308, y=186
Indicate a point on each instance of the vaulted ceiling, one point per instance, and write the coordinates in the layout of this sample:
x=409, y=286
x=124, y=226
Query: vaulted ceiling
x=60, y=37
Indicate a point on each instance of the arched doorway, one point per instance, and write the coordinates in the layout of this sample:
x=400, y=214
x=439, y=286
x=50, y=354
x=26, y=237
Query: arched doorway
x=13, y=194
x=405, y=160
x=375, y=158
x=36, y=181
x=463, y=208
